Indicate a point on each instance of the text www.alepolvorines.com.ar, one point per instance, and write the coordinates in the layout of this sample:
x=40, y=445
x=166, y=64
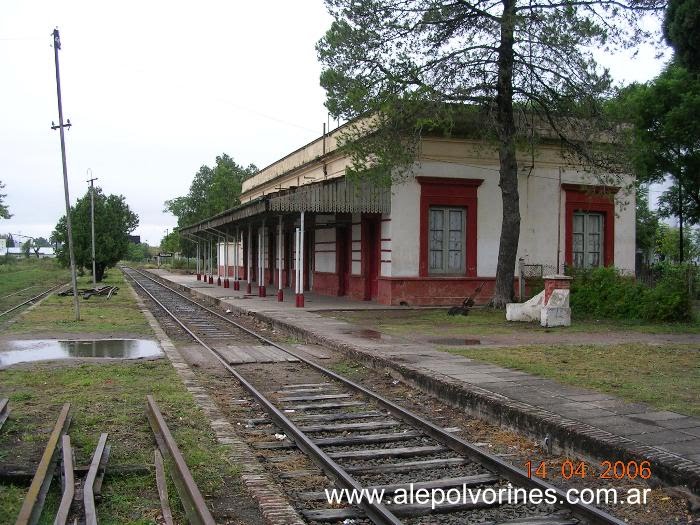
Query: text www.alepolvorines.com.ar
x=436, y=497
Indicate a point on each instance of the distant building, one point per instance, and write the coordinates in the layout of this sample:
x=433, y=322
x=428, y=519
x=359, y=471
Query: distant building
x=3, y=246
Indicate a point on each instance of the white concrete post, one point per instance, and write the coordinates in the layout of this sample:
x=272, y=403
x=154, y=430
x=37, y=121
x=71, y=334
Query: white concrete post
x=280, y=293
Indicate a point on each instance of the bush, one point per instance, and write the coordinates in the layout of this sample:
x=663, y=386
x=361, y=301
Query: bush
x=605, y=293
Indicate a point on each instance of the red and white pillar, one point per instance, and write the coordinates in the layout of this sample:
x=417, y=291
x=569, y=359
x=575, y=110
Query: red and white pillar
x=280, y=293
x=226, y=281
x=249, y=288
x=262, y=291
x=236, y=247
x=199, y=276
x=211, y=264
x=300, y=264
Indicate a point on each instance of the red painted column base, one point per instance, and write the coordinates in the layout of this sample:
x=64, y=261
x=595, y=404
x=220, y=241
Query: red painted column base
x=261, y=291
x=236, y=285
x=300, y=300
x=226, y=283
x=249, y=288
x=211, y=279
x=199, y=277
x=218, y=281
x=280, y=295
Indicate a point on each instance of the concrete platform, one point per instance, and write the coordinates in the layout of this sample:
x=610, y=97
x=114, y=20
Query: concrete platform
x=577, y=420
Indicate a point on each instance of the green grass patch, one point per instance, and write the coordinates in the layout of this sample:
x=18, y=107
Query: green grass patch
x=19, y=274
x=108, y=398
x=666, y=377
x=484, y=322
x=118, y=314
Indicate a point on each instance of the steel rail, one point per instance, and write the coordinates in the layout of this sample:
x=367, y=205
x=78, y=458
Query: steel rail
x=89, y=483
x=4, y=410
x=162, y=485
x=513, y=474
x=68, y=483
x=45, y=292
x=195, y=507
x=379, y=513
x=34, y=500
x=18, y=291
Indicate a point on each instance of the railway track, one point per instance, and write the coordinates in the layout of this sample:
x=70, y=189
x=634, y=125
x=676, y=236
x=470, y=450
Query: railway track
x=25, y=297
x=362, y=440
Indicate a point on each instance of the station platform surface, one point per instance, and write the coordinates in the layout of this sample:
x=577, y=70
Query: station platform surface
x=576, y=419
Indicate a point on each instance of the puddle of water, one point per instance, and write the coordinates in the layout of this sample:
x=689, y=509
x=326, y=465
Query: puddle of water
x=31, y=350
x=447, y=341
x=366, y=333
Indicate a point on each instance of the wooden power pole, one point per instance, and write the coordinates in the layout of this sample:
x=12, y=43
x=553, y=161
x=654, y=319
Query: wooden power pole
x=92, y=223
x=61, y=125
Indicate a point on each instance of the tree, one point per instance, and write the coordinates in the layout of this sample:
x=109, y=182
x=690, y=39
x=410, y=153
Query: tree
x=137, y=252
x=667, y=244
x=4, y=210
x=647, y=225
x=212, y=191
x=682, y=31
x=516, y=63
x=170, y=243
x=665, y=140
x=113, y=223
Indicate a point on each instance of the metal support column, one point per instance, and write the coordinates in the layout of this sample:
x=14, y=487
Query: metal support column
x=280, y=244
x=300, y=293
x=218, y=262
x=262, y=290
x=226, y=281
x=236, y=262
x=199, y=276
x=250, y=259
x=211, y=263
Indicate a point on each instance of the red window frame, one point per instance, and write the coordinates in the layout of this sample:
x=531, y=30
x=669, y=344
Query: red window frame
x=600, y=199
x=438, y=191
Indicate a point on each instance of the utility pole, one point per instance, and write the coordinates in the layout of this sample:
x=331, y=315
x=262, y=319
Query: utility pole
x=92, y=221
x=680, y=220
x=61, y=125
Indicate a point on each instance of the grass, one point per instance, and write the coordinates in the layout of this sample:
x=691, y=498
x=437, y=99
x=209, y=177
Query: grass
x=107, y=398
x=483, y=322
x=667, y=377
x=18, y=274
x=118, y=314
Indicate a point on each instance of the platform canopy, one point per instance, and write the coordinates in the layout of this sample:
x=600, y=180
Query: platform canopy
x=333, y=196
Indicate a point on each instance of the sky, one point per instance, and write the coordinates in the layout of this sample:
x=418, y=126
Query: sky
x=155, y=90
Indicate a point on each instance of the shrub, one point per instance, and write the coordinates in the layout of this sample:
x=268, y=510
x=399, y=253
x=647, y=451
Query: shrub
x=606, y=293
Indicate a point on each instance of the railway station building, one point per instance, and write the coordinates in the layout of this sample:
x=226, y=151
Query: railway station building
x=431, y=238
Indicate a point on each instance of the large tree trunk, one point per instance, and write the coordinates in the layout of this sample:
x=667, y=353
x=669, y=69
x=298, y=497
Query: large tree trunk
x=510, y=226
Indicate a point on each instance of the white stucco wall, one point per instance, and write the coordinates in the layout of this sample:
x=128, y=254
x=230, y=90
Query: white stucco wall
x=539, y=208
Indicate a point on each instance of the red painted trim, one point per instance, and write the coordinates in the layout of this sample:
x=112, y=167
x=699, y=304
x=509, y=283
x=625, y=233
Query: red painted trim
x=599, y=199
x=438, y=191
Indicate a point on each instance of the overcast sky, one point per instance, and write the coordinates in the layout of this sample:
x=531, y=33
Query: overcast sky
x=156, y=89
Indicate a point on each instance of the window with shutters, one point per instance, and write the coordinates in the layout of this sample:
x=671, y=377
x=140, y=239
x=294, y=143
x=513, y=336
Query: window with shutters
x=447, y=241
x=587, y=240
